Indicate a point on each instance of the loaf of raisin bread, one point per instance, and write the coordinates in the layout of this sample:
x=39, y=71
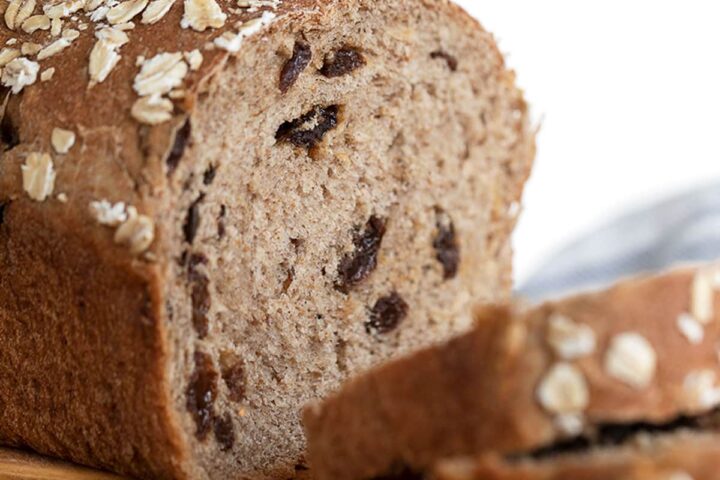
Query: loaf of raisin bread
x=212, y=211
x=532, y=378
x=684, y=455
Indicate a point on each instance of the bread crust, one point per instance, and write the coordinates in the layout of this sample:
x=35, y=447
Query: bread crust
x=684, y=456
x=480, y=392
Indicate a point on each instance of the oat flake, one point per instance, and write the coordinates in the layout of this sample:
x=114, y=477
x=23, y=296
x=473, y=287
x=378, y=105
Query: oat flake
x=202, y=14
x=38, y=176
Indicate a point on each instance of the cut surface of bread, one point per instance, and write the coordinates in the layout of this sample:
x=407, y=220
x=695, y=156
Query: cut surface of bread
x=222, y=210
x=643, y=353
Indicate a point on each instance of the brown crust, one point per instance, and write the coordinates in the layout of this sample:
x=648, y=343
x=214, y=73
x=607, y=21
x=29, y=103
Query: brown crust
x=479, y=392
x=680, y=457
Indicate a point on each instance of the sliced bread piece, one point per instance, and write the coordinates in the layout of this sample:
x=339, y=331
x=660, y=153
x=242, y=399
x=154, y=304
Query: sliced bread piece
x=684, y=455
x=212, y=211
x=528, y=378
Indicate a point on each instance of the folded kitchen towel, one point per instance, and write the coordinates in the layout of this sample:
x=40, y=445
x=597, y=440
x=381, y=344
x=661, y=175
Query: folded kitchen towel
x=682, y=229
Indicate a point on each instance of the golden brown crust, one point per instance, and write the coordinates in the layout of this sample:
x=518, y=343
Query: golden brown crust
x=82, y=363
x=685, y=457
x=480, y=392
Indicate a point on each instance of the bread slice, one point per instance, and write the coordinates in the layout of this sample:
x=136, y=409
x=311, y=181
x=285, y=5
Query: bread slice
x=645, y=351
x=680, y=456
x=212, y=211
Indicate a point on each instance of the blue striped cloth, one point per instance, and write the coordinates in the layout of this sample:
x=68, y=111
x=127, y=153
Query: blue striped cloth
x=683, y=229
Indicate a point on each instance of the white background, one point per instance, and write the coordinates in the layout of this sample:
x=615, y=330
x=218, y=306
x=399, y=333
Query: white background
x=628, y=92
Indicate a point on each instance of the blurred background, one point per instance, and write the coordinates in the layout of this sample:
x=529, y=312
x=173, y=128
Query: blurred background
x=628, y=96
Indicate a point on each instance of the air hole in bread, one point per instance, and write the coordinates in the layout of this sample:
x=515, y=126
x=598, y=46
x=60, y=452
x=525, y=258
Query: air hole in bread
x=192, y=220
x=209, y=175
x=233, y=374
x=342, y=62
x=310, y=129
x=302, y=54
x=201, y=394
x=3, y=206
x=447, y=249
x=221, y=222
x=9, y=134
x=401, y=473
x=452, y=62
x=357, y=265
x=199, y=295
x=224, y=432
x=180, y=143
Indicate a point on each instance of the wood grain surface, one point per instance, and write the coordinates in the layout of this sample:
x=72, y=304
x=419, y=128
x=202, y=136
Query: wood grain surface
x=19, y=465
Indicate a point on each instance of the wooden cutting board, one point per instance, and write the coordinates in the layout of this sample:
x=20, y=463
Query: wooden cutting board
x=16, y=465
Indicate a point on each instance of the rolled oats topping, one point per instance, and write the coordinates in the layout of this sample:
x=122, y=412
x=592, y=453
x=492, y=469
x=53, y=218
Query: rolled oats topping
x=47, y=74
x=701, y=390
x=125, y=11
x=19, y=73
x=632, y=360
x=233, y=41
x=17, y=12
x=109, y=214
x=152, y=110
x=104, y=54
x=570, y=424
x=55, y=47
x=194, y=59
x=62, y=140
x=55, y=27
x=570, y=340
x=690, y=328
x=156, y=10
x=564, y=390
x=7, y=55
x=202, y=14
x=160, y=74
x=62, y=9
x=38, y=175
x=679, y=475
x=35, y=23
x=703, y=296
x=137, y=232
x=30, y=48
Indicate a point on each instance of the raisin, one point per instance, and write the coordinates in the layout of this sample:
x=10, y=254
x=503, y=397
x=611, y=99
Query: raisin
x=233, y=373
x=182, y=137
x=358, y=265
x=225, y=432
x=199, y=295
x=192, y=221
x=302, y=54
x=9, y=134
x=201, y=393
x=221, y=221
x=387, y=314
x=446, y=246
x=309, y=130
x=344, y=61
x=209, y=175
x=451, y=61
x=289, y=279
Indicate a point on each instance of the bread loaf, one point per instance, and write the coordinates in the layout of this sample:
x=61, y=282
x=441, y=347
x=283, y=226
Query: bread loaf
x=640, y=356
x=212, y=211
